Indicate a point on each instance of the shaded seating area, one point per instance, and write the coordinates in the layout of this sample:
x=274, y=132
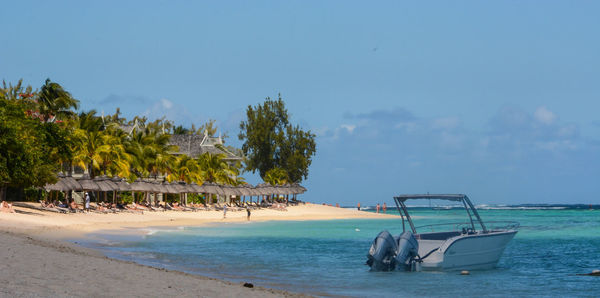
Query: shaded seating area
x=106, y=195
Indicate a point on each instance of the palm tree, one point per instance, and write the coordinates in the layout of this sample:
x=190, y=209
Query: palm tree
x=54, y=101
x=276, y=176
x=86, y=139
x=114, y=156
x=186, y=169
x=87, y=150
x=216, y=169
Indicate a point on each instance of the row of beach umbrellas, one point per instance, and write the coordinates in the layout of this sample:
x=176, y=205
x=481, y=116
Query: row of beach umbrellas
x=105, y=184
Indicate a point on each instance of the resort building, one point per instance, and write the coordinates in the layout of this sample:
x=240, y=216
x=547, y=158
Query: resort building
x=194, y=145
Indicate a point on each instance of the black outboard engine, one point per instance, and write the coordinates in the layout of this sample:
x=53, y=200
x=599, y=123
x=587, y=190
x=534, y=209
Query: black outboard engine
x=387, y=252
x=382, y=252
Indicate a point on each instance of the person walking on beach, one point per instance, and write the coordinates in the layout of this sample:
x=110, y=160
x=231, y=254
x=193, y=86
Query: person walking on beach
x=224, y=211
x=384, y=207
x=248, y=212
x=378, y=207
x=87, y=201
x=358, y=206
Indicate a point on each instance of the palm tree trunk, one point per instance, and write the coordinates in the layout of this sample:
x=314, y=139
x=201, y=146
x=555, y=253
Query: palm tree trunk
x=3, y=193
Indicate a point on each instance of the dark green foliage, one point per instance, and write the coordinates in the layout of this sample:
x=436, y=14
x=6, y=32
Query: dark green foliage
x=53, y=100
x=29, y=149
x=270, y=141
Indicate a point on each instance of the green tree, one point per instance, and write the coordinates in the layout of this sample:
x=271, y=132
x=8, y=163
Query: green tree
x=276, y=176
x=216, y=169
x=28, y=155
x=186, y=169
x=270, y=141
x=54, y=100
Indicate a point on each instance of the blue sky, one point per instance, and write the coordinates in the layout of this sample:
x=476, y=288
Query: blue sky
x=496, y=99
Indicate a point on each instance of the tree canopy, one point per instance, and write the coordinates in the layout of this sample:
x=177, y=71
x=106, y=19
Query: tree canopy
x=30, y=150
x=271, y=141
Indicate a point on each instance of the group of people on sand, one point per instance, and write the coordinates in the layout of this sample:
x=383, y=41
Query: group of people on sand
x=378, y=207
x=6, y=207
x=382, y=208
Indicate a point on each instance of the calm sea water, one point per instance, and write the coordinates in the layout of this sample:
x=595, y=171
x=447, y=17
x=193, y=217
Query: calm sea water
x=327, y=258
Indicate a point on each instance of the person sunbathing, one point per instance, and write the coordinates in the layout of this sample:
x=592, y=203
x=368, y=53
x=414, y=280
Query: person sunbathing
x=73, y=206
x=50, y=205
x=6, y=207
x=138, y=206
x=176, y=206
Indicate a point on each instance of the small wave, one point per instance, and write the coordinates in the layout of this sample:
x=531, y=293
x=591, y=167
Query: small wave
x=521, y=208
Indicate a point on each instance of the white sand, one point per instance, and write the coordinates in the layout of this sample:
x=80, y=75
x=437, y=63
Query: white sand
x=35, y=262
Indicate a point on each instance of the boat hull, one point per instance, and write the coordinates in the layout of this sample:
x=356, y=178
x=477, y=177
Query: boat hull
x=469, y=252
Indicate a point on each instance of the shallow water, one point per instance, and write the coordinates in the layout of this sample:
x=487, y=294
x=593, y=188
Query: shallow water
x=327, y=258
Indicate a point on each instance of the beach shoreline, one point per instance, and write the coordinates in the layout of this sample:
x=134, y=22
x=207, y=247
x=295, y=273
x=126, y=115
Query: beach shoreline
x=36, y=249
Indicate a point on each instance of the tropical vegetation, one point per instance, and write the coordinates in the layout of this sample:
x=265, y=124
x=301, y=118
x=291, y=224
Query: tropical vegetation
x=273, y=146
x=43, y=133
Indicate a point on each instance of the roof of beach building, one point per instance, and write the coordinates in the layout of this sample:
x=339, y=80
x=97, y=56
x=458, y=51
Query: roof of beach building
x=194, y=145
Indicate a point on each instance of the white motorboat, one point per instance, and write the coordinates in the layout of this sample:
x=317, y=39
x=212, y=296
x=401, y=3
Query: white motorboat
x=471, y=245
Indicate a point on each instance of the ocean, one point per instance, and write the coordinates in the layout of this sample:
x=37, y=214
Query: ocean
x=327, y=258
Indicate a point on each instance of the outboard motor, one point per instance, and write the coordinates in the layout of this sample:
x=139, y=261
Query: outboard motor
x=382, y=253
x=407, y=251
x=387, y=252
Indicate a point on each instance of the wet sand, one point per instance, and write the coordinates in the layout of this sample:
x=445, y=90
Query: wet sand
x=36, y=261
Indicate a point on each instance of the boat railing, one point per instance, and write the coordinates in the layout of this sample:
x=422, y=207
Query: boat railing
x=450, y=227
x=502, y=225
x=467, y=227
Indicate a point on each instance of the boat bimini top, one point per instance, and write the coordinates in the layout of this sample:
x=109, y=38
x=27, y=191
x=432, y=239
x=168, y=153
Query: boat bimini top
x=471, y=211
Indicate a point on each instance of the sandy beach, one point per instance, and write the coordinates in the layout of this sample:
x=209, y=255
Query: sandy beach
x=37, y=261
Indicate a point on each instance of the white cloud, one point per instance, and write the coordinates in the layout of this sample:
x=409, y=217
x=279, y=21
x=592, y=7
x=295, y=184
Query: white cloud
x=545, y=116
x=349, y=127
x=167, y=104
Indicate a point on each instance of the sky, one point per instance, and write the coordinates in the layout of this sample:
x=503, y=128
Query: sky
x=495, y=99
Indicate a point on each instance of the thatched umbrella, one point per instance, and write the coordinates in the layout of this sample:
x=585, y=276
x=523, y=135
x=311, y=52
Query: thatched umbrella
x=299, y=188
x=244, y=190
x=60, y=185
x=253, y=190
x=188, y=187
x=105, y=185
x=178, y=187
x=230, y=190
x=72, y=183
x=168, y=188
x=155, y=186
x=88, y=184
x=213, y=188
x=265, y=189
x=121, y=184
x=139, y=185
x=197, y=188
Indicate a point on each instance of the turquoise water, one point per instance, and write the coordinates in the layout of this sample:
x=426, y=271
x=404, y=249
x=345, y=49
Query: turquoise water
x=326, y=258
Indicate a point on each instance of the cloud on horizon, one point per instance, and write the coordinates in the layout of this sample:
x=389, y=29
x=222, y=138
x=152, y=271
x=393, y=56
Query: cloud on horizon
x=517, y=151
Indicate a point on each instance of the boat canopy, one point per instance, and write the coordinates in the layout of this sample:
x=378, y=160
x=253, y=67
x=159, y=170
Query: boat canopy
x=449, y=197
x=471, y=211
